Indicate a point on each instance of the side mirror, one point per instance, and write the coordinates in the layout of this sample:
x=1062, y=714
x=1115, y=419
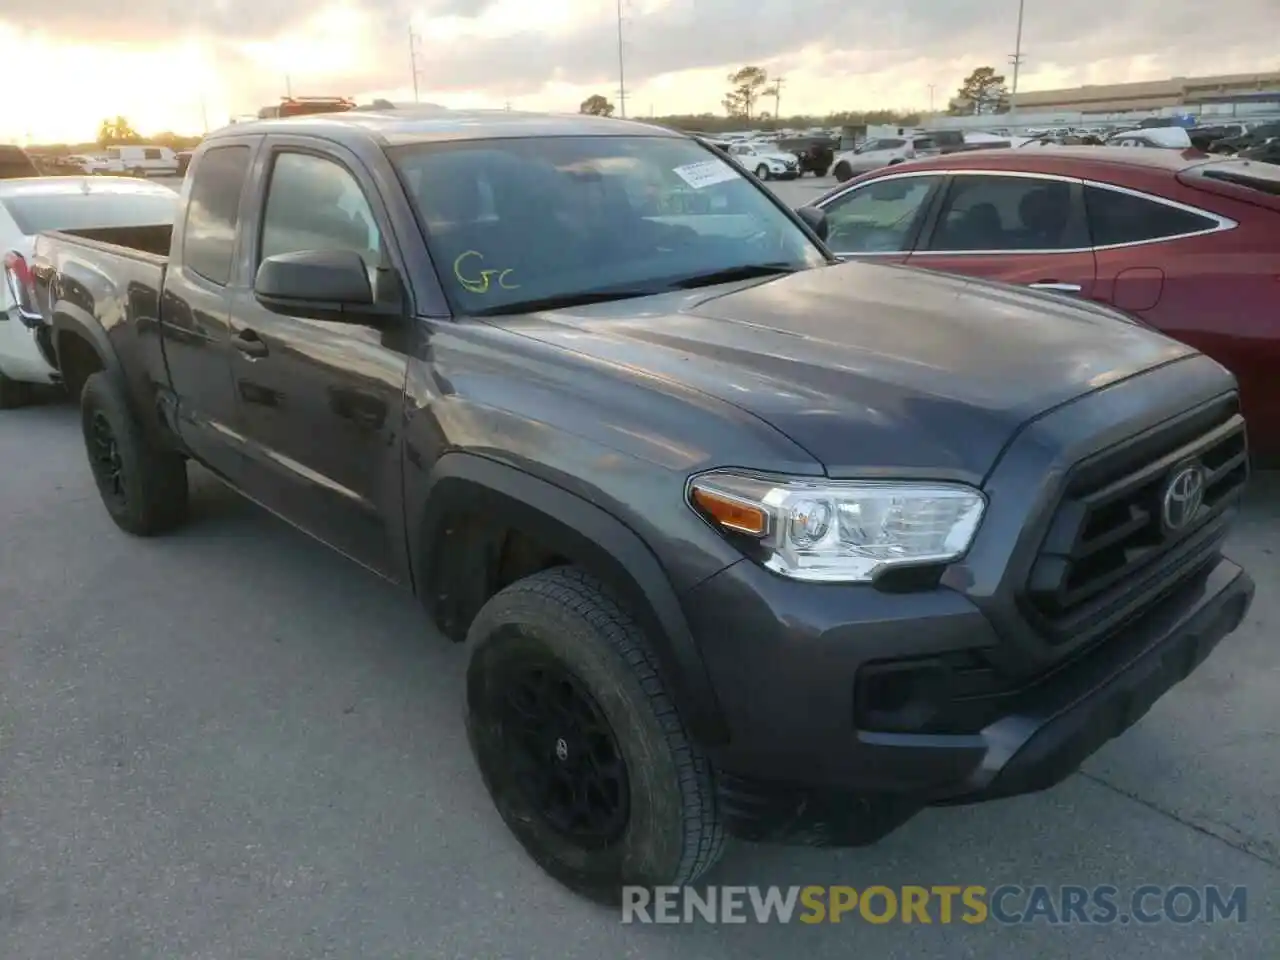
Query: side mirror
x=318, y=284
x=816, y=219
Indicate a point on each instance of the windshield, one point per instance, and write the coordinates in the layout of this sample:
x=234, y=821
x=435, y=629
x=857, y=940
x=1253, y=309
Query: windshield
x=533, y=219
x=34, y=212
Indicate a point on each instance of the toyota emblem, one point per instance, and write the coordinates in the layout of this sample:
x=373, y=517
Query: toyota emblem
x=1183, y=497
x=562, y=750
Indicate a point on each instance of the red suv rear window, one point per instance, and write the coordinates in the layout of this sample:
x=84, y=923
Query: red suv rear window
x=1247, y=180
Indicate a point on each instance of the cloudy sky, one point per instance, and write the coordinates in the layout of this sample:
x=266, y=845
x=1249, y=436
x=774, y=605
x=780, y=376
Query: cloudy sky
x=170, y=64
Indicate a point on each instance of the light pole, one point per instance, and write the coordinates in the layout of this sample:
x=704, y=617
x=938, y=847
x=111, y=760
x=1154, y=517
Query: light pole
x=622, y=75
x=413, y=61
x=1017, y=64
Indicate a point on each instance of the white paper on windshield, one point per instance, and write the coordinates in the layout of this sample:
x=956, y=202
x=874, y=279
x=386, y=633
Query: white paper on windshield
x=705, y=173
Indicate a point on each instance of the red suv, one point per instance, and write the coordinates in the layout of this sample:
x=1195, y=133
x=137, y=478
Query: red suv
x=1188, y=243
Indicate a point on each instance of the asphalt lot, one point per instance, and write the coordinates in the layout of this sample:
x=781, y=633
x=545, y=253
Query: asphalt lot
x=799, y=192
x=231, y=743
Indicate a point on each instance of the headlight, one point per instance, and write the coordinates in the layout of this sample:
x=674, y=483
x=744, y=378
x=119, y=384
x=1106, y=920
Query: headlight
x=841, y=531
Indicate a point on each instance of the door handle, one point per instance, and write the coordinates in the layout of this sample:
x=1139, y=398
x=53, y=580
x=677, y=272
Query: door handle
x=247, y=342
x=1059, y=287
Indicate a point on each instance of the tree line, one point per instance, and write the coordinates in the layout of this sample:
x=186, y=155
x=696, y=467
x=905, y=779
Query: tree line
x=750, y=89
x=983, y=91
x=116, y=132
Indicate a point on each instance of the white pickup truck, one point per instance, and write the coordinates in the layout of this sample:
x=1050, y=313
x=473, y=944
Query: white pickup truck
x=91, y=207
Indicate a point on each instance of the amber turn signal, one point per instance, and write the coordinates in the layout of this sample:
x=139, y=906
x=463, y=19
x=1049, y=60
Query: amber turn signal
x=732, y=514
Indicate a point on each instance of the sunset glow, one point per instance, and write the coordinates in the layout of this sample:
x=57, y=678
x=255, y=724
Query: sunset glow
x=195, y=68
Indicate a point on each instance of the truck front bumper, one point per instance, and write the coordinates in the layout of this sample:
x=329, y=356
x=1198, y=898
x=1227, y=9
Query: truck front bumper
x=800, y=768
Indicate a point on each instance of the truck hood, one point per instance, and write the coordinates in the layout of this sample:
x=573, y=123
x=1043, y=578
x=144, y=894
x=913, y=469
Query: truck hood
x=870, y=368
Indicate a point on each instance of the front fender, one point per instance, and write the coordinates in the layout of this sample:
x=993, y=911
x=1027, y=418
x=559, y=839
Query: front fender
x=463, y=484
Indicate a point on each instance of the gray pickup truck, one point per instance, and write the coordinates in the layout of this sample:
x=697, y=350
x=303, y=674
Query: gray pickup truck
x=743, y=541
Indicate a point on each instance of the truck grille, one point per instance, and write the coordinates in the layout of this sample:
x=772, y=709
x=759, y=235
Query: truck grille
x=1136, y=520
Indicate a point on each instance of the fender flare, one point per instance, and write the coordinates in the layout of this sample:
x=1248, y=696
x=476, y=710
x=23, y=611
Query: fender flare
x=583, y=533
x=68, y=318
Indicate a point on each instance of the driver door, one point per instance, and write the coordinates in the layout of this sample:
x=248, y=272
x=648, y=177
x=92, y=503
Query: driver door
x=320, y=403
x=881, y=219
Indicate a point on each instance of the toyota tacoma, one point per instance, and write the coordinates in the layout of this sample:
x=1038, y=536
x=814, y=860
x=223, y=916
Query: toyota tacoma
x=742, y=541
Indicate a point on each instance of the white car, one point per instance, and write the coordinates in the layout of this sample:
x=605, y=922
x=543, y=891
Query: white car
x=882, y=152
x=1160, y=138
x=93, y=165
x=766, y=161
x=29, y=206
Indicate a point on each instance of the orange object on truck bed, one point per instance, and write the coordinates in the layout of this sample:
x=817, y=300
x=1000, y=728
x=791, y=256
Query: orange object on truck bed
x=303, y=106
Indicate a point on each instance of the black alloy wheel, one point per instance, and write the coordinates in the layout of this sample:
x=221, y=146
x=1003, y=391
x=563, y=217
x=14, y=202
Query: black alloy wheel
x=564, y=756
x=105, y=461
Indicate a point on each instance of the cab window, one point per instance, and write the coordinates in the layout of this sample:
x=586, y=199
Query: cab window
x=316, y=204
x=209, y=238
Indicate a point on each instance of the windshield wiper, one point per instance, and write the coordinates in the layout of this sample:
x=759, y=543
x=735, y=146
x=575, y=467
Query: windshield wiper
x=747, y=271
x=582, y=298
x=561, y=300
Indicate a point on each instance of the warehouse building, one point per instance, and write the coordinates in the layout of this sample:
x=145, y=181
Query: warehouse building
x=1153, y=95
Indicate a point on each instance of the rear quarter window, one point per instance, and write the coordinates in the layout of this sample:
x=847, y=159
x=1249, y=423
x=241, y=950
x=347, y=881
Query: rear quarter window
x=213, y=211
x=1118, y=218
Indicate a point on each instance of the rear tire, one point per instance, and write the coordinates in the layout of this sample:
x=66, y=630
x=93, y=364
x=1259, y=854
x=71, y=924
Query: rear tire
x=143, y=488
x=843, y=172
x=13, y=393
x=566, y=711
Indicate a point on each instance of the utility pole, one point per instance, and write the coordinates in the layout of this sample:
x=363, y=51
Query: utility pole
x=1016, y=60
x=931, y=89
x=288, y=87
x=777, y=96
x=204, y=113
x=413, y=61
x=622, y=74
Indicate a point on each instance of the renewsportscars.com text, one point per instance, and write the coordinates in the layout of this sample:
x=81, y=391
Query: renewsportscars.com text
x=1007, y=904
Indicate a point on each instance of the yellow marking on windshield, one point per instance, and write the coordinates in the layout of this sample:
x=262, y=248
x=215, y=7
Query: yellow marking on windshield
x=482, y=282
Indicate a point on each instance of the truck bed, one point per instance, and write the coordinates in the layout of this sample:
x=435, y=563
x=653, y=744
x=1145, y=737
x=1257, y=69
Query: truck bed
x=152, y=240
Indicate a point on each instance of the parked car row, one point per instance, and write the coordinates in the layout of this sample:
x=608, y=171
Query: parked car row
x=128, y=160
x=1188, y=243
x=741, y=539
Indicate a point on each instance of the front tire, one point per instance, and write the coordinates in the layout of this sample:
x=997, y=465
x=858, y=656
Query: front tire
x=579, y=744
x=143, y=488
x=843, y=172
x=762, y=172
